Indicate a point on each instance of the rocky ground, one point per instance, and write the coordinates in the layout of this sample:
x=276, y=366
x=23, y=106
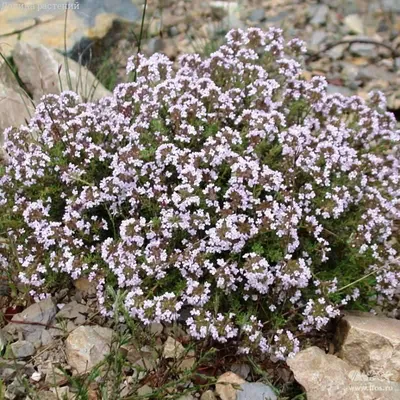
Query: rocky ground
x=57, y=344
x=355, y=43
x=63, y=347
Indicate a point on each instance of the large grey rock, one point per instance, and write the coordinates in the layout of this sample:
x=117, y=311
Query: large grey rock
x=15, y=106
x=372, y=344
x=34, y=319
x=327, y=377
x=45, y=71
x=255, y=391
x=86, y=346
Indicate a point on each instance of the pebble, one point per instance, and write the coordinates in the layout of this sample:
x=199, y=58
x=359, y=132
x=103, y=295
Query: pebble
x=320, y=15
x=354, y=23
x=173, y=348
x=22, y=349
x=255, y=391
x=257, y=15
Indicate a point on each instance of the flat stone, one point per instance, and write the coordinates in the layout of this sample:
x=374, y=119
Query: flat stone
x=371, y=343
x=332, y=89
x=22, y=349
x=156, y=328
x=354, y=23
x=15, y=109
x=327, y=377
x=255, y=391
x=364, y=49
x=243, y=370
x=208, y=395
x=39, y=69
x=257, y=15
x=42, y=313
x=8, y=369
x=188, y=362
x=15, y=390
x=4, y=338
x=55, y=376
x=319, y=15
x=227, y=386
x=85, y=286
x=86, y=346
x=186, y=397
x=72, y=310
x=173, y=348
x=36, y=376
x=144, y=390
x=373, y=72
x=317, y=38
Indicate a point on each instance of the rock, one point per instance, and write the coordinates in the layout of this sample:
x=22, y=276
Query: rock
x=371, y=343
x=327, y=377
x=156, y=45
x=45, y=395
x=349, y=71
x=156, y=329
x=15, y=390
x=173, y=348
x=35, y=337
x=44, y=22
x=42, y=313
x=55, y=376
x=186, y=397
x=22, y=349
x=354, y=23
x=188, y=362
x=144, y=390
x=320, y=14
x=317, y=38
x=86, y=346
x=36, y=376
x=85, y=286
x=208, y=395
x=72, y=310
x=62, y=392
x=227, y=385
x=373, y=72
x=16, y=108
x=243, y=370
x=255, y=391
x=38, y=68
x=4, y=338
x=332, y=89
x=364, y=49
x=257, y=15
x=9, y=369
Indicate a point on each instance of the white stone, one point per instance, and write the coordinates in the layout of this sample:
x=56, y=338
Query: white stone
x=173, y=348
x=86, y=346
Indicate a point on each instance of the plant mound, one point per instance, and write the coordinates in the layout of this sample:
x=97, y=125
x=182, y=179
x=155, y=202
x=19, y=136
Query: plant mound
x=229, y=192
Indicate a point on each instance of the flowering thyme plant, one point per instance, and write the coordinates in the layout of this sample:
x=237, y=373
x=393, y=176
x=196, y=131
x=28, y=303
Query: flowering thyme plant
x=230, y=187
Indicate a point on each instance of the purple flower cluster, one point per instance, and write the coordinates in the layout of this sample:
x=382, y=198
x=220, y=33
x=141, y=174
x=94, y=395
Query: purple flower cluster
x=215, y=186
